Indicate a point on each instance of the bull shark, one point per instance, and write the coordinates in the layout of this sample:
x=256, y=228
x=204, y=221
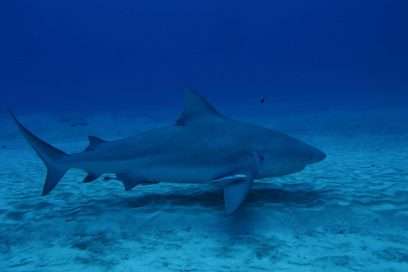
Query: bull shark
x=203, y=146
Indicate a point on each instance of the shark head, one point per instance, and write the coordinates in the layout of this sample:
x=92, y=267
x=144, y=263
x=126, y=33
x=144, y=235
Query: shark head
x=280, y=154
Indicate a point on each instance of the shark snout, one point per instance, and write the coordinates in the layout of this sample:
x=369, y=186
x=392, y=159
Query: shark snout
x=305, y=154
x=316, y=155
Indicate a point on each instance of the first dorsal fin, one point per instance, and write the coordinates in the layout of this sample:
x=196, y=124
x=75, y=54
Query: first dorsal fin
x=94, y=142
x=196, y=108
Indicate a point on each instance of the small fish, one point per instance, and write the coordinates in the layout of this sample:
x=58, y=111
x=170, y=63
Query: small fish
x=262, y=100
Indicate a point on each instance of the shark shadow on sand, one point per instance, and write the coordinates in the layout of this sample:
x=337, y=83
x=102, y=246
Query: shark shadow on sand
x=258, y=196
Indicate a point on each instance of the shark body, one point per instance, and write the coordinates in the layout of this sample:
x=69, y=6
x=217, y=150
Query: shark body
x=203, y=146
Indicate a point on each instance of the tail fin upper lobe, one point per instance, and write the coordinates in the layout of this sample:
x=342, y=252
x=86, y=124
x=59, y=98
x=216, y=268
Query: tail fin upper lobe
x=48, y=154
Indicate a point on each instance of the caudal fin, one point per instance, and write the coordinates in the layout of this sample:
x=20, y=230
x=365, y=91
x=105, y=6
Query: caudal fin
x=48, y=154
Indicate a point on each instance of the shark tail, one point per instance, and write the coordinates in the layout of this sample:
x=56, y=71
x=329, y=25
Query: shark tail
x=50, y=155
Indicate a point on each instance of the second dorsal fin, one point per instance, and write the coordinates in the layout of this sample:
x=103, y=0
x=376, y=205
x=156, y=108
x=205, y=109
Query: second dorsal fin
x=94, y=142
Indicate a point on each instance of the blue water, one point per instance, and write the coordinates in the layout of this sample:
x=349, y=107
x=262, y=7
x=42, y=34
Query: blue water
x=332, y=73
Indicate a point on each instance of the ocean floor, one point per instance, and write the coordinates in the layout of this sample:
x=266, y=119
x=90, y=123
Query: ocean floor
x=347, y=213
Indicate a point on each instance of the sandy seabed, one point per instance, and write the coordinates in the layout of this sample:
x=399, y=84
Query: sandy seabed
x=348, y=213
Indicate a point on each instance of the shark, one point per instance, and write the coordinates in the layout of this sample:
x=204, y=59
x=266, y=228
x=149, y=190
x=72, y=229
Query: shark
x=202, y=146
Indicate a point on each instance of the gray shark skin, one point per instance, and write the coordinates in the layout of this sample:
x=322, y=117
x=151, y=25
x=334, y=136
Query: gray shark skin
x=203, y=146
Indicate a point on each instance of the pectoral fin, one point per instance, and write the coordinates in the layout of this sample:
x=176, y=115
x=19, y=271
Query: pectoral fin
x=235, y=193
